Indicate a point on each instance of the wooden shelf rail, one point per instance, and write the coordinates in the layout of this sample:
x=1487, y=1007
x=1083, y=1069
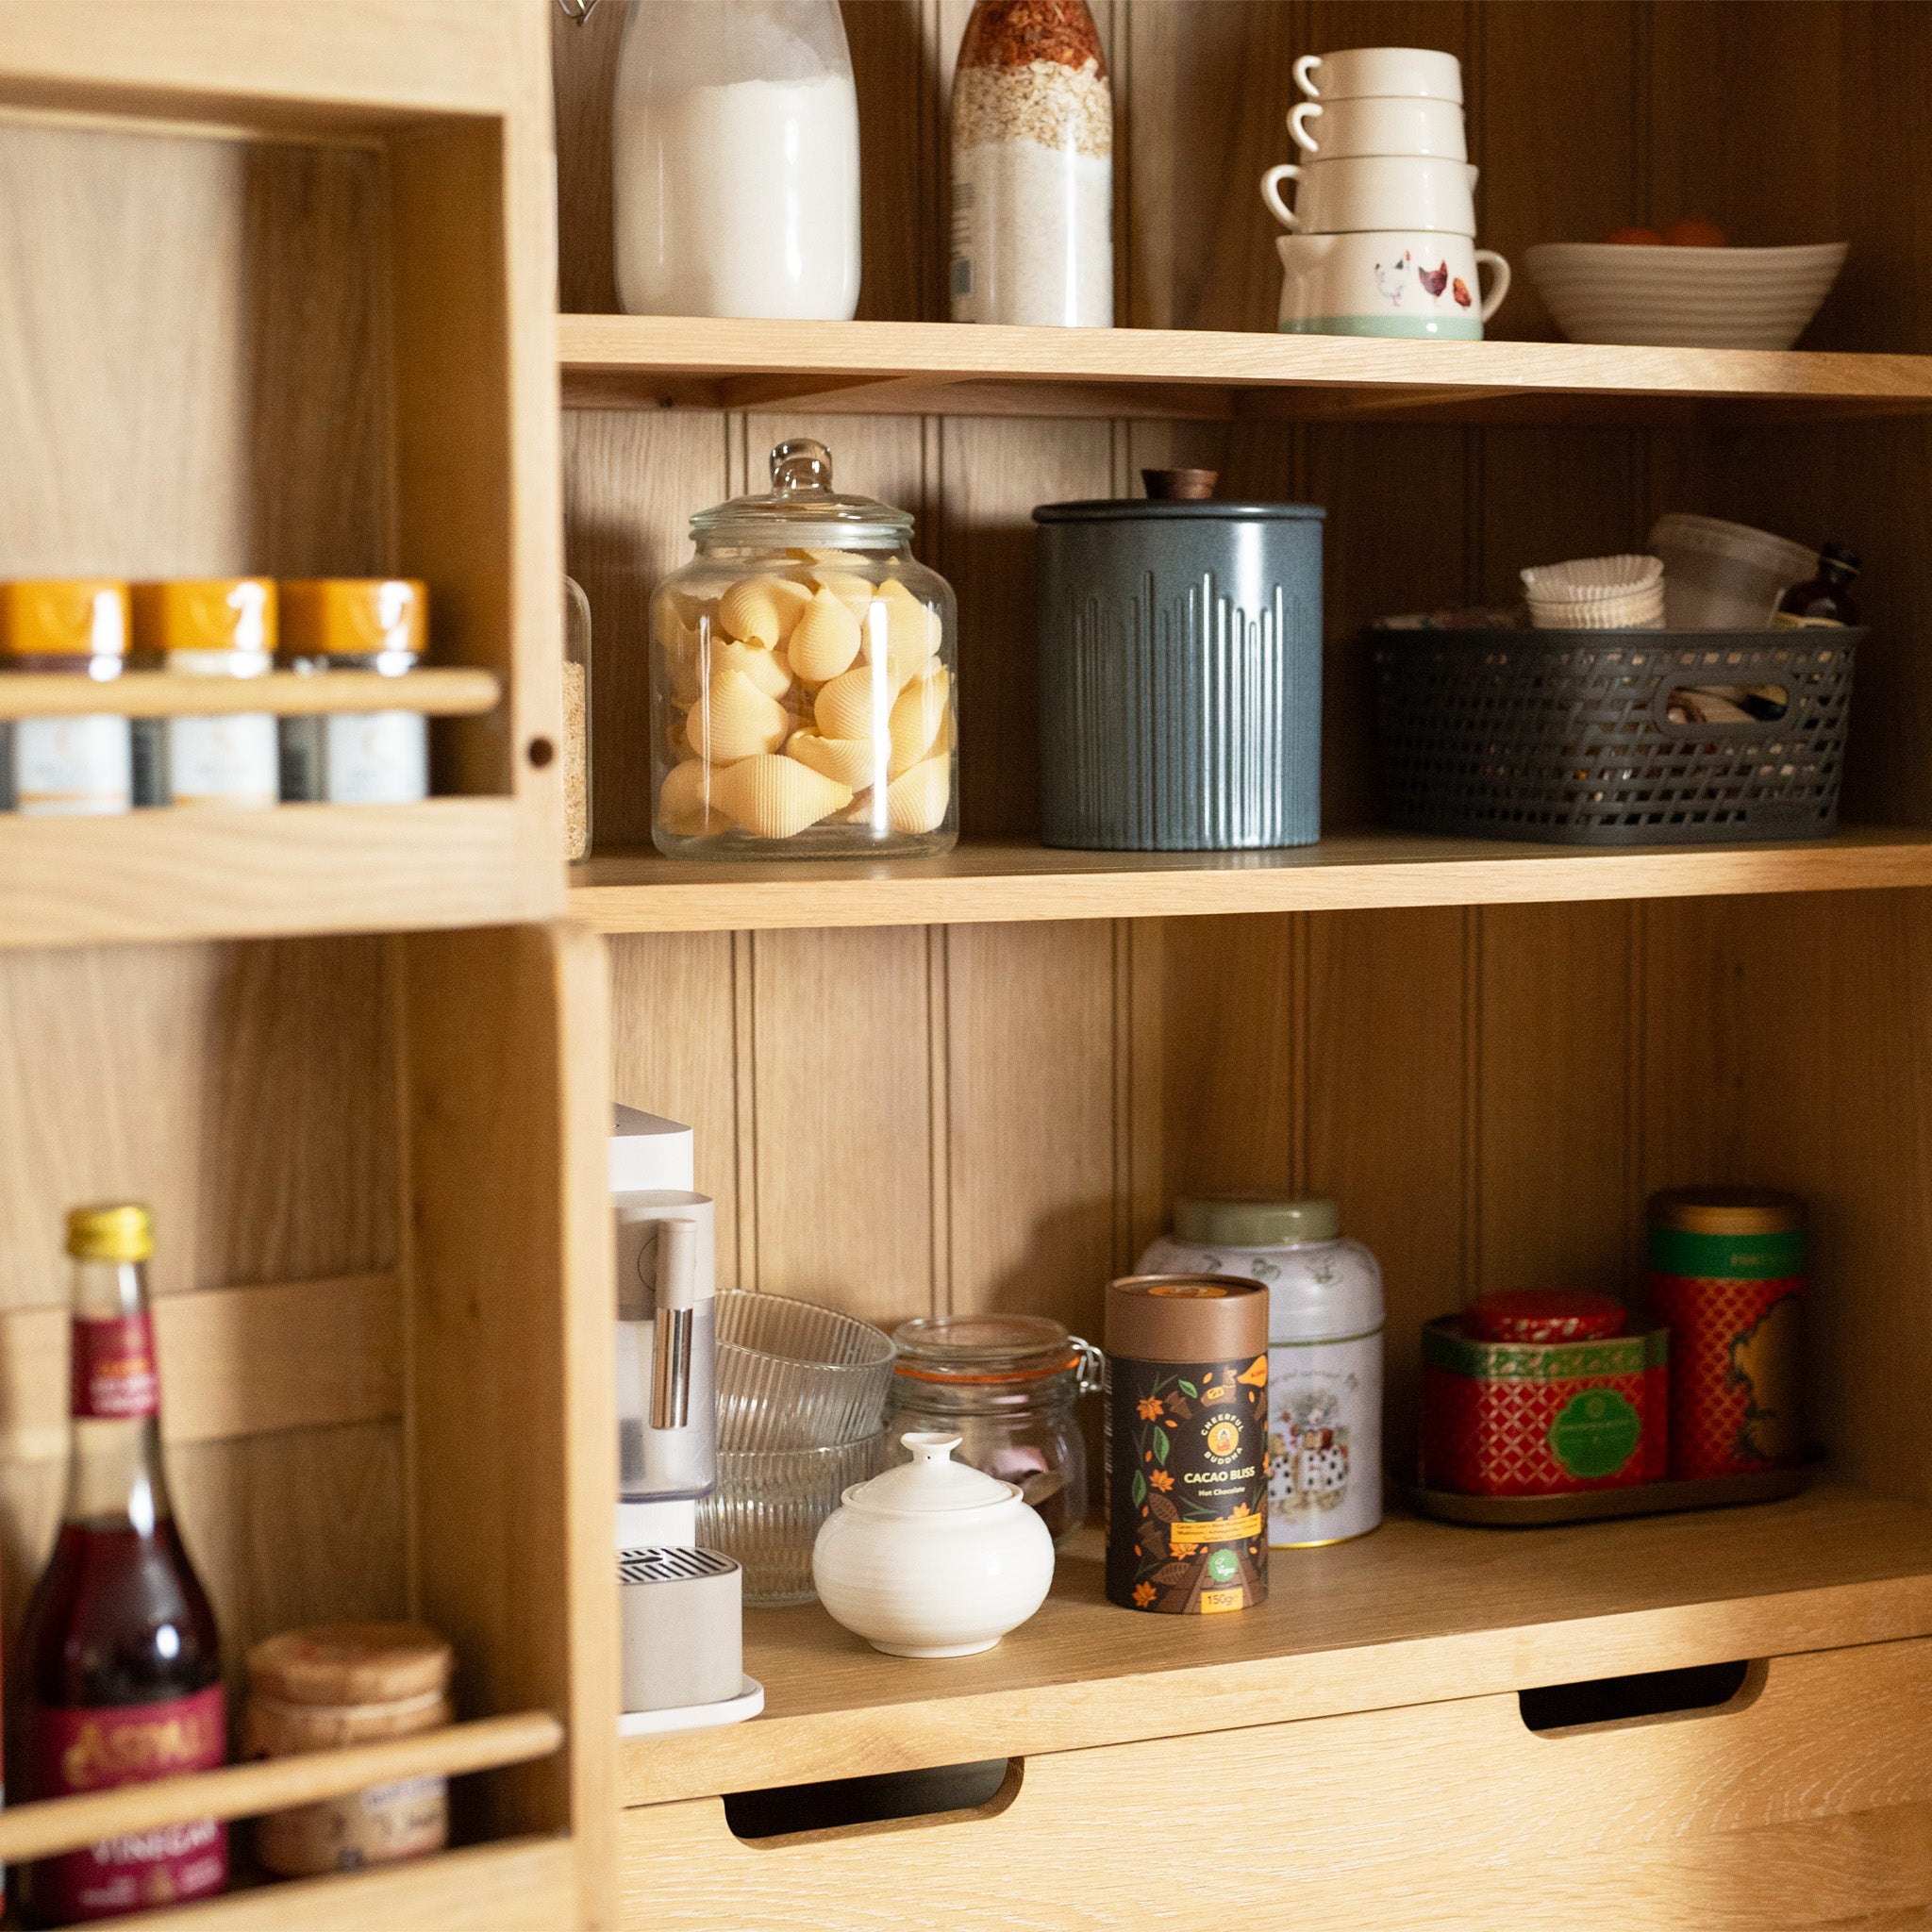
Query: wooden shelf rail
x=437, y=691
x=247, y=1791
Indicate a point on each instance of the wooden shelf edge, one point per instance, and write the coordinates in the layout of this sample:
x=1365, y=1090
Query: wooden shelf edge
x=517, y=1885
x=168, y=874
x=616, y=362
x=247, y=1791
x=1436, y=1613
x=437, y=691
x=995, y=883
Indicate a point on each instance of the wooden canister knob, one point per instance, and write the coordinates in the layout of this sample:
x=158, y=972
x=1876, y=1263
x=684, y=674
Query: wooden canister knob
x=1180, y=486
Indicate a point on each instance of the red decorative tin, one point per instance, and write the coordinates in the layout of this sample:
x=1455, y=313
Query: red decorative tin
x=1544, y=1314
x=1727, y=1275
x=1541, y=1418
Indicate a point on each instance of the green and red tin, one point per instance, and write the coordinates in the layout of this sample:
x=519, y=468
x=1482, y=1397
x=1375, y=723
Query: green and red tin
x=1541, y=1418
x=1727, y=1275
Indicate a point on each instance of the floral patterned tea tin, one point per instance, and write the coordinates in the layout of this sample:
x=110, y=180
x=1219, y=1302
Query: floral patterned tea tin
x=1324, y=1354
x=1517, y=1418
x=1186, y=1453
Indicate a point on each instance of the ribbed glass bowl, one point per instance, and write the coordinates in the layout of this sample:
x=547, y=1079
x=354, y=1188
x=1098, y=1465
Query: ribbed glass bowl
x=768, y=1507
x=794, y=1375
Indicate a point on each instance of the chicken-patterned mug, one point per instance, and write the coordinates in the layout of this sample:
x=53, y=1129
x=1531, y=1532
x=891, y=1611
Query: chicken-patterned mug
x=1417, y=283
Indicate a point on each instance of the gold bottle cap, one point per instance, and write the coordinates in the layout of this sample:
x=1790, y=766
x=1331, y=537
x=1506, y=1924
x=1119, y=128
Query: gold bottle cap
x=63, y=616
x=205, y=614
x=111, y=1231
x=1727, y=1210
x=354, y=617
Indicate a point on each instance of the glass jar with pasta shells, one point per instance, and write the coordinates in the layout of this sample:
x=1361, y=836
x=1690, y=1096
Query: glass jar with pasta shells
x=803, y=697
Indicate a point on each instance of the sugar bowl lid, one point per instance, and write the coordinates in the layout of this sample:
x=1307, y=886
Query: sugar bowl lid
x=803, y=507
x=932, y=1484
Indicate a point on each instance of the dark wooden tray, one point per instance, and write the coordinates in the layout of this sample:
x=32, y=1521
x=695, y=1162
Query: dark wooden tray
x=1598, y=1505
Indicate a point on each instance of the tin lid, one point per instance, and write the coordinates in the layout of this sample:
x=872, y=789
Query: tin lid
x=1544, y=1314
x=354, y=617
x=63, y=616
x=1236, y=1221
x=339, y=1664
x=1727, y=1210
x=1134, y=510
x=205, y=614
x=801, y=508
x=1186, y=1317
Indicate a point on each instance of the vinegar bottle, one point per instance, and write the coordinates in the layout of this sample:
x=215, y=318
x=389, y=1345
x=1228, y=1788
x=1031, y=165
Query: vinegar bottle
x=120, y=1663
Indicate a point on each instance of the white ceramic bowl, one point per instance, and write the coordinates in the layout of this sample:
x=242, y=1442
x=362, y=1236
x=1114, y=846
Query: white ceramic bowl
x=1693, y=298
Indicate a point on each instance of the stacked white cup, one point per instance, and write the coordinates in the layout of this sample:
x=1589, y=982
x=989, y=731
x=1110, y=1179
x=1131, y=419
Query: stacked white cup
x=1381, y=236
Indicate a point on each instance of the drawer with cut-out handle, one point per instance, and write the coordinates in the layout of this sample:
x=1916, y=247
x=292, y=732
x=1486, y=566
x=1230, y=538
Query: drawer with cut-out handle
x=1777, y=1793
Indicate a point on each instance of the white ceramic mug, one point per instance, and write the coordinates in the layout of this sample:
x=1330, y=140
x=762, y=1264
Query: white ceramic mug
x=1358, y=70
x=1417, y=283
x=1379, y=125
x=1360, y=192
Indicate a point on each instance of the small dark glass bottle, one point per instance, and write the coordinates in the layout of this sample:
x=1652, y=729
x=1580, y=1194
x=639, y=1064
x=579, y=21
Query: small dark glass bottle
x=1826, y=601
x=120, y=1660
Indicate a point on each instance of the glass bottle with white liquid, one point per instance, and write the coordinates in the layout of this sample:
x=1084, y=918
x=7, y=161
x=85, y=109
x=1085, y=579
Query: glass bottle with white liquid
x=735, y=157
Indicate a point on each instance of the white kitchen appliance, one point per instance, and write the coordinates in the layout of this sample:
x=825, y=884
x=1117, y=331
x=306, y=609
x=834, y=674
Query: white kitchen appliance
x=680, y=1605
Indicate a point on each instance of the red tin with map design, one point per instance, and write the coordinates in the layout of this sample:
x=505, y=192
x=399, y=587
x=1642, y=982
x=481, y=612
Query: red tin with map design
x=1727, y=1275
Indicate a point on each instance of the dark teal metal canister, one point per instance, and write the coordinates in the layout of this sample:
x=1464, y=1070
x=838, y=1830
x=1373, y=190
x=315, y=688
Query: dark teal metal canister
x=1180, y=675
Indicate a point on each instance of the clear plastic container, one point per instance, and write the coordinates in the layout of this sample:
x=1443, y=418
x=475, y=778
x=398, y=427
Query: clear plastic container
x=803, y=697
x=735, y=161
x=1724, y=576
x=1008, y=1387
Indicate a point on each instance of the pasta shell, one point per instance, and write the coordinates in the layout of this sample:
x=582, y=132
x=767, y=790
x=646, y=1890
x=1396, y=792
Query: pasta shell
x=826, y=639
x=860, y=812
x=685, y=804
x=851, y=560
x=912, y=631
x=766, y=669
x=856, y=704
x=676, y=618
x=845, y=761
x=736, y=719
x=920, y=713
x=761, y=611
x=778, y=797
x=917, y=802
x=855, y=594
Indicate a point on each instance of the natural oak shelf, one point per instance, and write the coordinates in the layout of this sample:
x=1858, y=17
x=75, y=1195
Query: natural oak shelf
x=984, y=882
x=926, y=368
x=172, y=874
x=1417, y=1613
x=444, y=691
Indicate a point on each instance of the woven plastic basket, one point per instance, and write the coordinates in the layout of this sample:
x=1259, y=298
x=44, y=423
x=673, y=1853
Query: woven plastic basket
x=1565, y=735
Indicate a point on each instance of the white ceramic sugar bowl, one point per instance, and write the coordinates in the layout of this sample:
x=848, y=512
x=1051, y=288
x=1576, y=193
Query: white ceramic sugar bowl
x=933, y=1557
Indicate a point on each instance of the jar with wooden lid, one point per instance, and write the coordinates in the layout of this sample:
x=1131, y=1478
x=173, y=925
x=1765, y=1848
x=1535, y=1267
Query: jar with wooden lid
x=333, y=1685
x=77, y=767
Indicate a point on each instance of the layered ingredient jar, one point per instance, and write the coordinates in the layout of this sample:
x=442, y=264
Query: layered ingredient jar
x=1324, y=1353
x=802, y=702
x=1032, y=167
x=1008, y=1387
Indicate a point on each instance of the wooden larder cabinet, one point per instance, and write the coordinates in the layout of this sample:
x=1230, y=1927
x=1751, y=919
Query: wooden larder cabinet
x=978, y=1083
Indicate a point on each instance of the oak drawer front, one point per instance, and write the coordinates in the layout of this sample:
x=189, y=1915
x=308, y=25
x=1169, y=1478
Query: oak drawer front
x=1806, y=1799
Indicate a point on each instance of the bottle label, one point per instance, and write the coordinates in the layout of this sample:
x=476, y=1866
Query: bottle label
x=95, y=1749
x=73, y=767
x=378, y=757
x=227, y=761
x=114, y=1375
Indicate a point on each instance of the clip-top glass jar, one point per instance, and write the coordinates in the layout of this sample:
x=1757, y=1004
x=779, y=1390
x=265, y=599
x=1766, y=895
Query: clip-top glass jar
x=802, y=702
x=1007, y=1385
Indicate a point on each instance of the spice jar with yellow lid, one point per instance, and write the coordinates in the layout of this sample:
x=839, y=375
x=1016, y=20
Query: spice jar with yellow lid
x=1727, y=1275
x=356, y=624
x=207, y=627
x=332, y=1684
x=77, y=767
